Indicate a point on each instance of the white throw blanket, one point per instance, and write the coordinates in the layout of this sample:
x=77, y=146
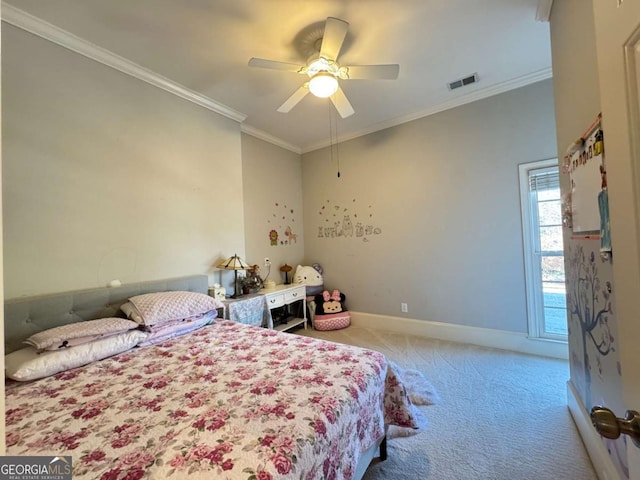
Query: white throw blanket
x=420, y=392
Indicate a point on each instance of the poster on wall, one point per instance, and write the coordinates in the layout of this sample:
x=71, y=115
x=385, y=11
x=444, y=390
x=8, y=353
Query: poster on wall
x=586, y=169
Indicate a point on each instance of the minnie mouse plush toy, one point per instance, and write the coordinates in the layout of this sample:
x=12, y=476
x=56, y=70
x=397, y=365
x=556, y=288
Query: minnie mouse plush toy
x=331, y=313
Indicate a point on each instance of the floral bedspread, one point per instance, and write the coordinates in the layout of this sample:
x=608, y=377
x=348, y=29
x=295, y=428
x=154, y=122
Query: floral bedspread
x=229, y=401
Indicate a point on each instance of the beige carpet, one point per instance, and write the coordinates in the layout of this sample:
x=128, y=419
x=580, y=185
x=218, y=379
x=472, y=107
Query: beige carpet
x=501, y=415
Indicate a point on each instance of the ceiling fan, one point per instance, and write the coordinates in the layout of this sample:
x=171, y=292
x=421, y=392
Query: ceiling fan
x=324, y=71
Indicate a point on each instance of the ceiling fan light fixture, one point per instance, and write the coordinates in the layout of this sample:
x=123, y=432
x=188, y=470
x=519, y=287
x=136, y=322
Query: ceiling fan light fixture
x=323, y=84
x=324, y=70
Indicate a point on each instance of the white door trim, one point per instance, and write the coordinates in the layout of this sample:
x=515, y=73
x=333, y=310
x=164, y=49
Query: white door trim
x=602, y=463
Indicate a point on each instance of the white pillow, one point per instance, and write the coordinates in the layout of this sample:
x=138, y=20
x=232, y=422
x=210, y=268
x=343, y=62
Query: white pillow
x=28, y=364
x=131, y=312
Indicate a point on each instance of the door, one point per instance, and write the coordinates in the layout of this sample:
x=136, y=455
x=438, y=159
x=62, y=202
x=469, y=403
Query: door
x=617, y=26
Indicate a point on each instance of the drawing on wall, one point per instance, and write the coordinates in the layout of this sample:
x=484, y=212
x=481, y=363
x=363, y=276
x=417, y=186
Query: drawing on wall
x=281, y=225
x=590, y=305
x=293, y=238
x=273, y=238
x=595, y=364
x=355, y=222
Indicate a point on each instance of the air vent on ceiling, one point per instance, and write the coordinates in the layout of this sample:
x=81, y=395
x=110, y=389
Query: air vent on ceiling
x=463, y=82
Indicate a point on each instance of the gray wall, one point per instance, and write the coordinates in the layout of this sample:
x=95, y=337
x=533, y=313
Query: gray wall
x=272, y=179
x=442, y=192
x=596, y=377
x=106, y=177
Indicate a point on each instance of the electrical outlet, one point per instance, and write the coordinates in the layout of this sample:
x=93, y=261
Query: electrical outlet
x=404, y=307
x=267, y=262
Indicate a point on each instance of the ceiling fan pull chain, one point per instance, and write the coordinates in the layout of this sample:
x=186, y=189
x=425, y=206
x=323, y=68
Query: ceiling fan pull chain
x=335, y=116
x=333, y=137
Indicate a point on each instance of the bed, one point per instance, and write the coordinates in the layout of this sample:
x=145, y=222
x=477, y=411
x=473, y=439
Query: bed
x=227, y=400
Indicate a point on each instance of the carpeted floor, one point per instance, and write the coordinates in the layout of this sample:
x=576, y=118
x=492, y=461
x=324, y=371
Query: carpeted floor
x=500, y=416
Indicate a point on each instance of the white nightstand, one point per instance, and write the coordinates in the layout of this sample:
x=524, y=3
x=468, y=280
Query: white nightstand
x=286, y=295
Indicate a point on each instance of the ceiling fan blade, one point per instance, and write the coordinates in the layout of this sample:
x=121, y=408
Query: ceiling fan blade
x=373, y=72
x=293, y=100
x=335, y=31
x=274, y=65
x=342, y=104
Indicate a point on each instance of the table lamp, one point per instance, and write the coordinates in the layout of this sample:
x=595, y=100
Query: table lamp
x=235, y=263
x=286, y=269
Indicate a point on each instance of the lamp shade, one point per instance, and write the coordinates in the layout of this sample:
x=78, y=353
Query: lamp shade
x=323, y=84
x=234, y=263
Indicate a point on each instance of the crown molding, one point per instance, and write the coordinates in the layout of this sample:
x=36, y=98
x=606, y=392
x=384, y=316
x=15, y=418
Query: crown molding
x=543, y=13
x=267, y=137
x=25, y=21
x=474, y=96
x=36, y=26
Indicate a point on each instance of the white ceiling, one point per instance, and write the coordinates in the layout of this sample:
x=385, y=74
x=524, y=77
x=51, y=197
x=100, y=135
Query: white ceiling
x=204, y=46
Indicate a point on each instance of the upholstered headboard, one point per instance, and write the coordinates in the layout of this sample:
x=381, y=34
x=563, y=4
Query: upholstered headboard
x=25, y=316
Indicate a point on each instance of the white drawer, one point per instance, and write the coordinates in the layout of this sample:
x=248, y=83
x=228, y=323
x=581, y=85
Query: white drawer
x=274, y=301
x=294, y=295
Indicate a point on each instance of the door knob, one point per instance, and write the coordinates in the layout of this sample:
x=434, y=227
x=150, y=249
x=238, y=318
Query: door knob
x=609, y=426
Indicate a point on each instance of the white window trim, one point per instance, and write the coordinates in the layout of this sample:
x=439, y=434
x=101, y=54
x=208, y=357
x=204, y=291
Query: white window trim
x=533, y=280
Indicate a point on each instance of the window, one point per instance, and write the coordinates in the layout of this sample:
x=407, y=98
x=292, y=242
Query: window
x=544, y=256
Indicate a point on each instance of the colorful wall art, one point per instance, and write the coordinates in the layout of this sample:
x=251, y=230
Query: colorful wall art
x=351, y=220
x=282, y=226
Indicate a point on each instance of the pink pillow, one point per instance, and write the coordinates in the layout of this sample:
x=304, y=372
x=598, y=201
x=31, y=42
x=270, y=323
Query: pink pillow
x=78, y=333
x=162, y=307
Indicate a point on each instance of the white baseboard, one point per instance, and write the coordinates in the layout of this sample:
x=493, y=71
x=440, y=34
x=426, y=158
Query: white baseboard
x=597, y=450
x=485, y=337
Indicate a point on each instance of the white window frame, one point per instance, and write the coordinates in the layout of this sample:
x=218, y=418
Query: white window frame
x=533, y=273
